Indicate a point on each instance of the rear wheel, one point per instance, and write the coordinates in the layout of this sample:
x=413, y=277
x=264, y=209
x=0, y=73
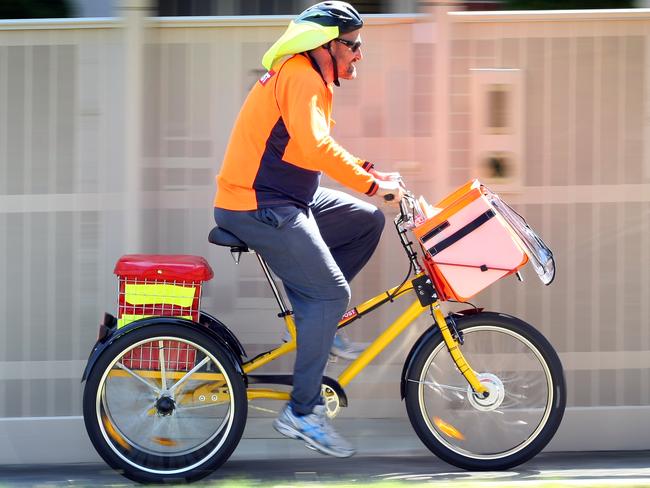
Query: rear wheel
x=518, y=418
x=165, y=403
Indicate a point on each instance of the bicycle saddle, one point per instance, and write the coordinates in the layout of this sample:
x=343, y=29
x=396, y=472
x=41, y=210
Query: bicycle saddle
x=222, y=237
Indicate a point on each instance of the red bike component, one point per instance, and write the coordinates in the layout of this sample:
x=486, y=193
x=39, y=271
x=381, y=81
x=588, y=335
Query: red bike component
x=178, y=356
x=162, y=267
x=152, y=285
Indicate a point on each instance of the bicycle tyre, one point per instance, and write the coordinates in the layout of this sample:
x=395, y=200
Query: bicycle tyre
x=521, y=415
x=150, y=440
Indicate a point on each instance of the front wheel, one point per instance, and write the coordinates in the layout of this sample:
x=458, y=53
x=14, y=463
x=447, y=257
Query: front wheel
x=524, y=408
x=165, y=403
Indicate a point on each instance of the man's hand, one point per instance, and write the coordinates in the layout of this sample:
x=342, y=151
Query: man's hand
x=390, y=190
x=381, y=176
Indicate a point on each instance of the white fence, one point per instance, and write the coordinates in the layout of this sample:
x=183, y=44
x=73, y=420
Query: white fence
x=111, y=132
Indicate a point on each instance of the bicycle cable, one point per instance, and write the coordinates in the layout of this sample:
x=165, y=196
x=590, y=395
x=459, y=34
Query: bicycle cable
x=467, y=303
x=395, y=293
x=400, y=293
x=410, y=270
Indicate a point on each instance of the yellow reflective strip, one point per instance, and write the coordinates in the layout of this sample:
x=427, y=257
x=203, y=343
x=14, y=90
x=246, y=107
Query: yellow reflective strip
x=126, y=319
x=155, y=294
x=113, y=433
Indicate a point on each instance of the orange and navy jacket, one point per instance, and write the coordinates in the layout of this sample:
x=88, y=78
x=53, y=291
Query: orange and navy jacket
x=281, y=143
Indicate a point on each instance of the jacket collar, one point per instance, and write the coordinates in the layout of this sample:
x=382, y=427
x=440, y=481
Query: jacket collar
x=314, y=65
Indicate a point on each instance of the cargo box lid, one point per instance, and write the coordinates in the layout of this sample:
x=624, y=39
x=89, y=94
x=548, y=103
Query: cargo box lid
x=163, y=267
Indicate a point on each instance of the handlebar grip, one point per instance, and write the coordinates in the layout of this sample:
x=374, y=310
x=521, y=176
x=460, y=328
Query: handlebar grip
x=389, y=198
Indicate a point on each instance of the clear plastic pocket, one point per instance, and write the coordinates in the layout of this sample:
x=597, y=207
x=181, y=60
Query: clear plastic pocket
x=537, y=251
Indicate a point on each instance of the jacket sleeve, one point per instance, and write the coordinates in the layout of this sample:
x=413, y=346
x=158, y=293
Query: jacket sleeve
x=303, y=105
x=367, y=165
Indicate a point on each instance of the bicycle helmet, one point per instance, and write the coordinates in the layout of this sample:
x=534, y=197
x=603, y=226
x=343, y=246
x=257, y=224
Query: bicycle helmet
x=316, y=26
x=330, y=14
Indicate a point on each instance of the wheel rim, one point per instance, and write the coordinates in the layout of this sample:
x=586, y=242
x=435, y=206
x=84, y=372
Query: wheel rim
x=510, y=418
x=155, y=410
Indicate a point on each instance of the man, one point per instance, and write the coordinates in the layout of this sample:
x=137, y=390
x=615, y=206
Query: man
x=314, y=239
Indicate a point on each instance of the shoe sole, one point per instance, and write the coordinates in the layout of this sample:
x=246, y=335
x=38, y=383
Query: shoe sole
x=292, y=433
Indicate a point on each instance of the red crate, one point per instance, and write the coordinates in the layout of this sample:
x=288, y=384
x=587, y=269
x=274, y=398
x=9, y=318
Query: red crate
x=160, y=285
x=178, y=356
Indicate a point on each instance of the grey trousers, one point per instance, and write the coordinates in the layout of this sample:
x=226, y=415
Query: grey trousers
x=315, y=253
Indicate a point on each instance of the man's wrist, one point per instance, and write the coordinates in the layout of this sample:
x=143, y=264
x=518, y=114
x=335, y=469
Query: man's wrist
x=368, y=166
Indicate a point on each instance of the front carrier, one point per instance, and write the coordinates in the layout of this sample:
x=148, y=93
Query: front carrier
x=472, y=238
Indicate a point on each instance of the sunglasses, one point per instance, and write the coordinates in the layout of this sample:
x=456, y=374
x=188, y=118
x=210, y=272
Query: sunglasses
x=354, y=46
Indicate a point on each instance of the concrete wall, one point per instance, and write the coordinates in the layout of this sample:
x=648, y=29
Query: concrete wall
x=111, y=134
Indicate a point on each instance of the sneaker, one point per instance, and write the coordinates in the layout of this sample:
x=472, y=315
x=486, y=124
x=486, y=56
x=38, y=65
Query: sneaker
x=315, y=429
x=341, y=347
x=344, y=348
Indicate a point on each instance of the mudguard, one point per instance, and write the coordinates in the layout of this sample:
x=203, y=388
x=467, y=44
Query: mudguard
x=208, y=326
x=225, y=333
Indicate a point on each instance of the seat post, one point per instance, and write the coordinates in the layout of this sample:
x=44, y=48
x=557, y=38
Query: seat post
x=236, y=254
x=267, y=272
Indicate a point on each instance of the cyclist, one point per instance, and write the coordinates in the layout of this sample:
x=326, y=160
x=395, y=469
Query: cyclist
x=314, y=239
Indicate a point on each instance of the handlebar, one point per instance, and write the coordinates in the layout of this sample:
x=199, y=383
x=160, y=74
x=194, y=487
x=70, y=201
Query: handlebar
x=411, y=212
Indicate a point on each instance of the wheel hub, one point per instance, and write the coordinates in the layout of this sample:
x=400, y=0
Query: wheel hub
x=165, y=406
x=495, y=389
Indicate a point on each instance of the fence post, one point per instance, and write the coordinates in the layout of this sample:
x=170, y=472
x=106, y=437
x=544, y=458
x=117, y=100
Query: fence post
x=133, y=14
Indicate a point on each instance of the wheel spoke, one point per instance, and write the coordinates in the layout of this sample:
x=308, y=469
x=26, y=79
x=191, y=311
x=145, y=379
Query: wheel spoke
x=161, y=360
x=159, y=428
x=507, y=423
x=188, y=374
x=435, y=384
x=120, y=365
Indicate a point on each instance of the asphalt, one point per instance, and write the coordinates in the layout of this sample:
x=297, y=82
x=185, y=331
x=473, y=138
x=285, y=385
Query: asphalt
x=631, y=468
x=387, y=452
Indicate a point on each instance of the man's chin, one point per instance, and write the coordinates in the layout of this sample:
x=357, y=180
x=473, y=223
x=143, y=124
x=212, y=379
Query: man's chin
x=349, y=75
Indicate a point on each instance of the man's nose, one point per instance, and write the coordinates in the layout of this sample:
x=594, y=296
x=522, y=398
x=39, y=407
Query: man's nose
x=359, y=54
